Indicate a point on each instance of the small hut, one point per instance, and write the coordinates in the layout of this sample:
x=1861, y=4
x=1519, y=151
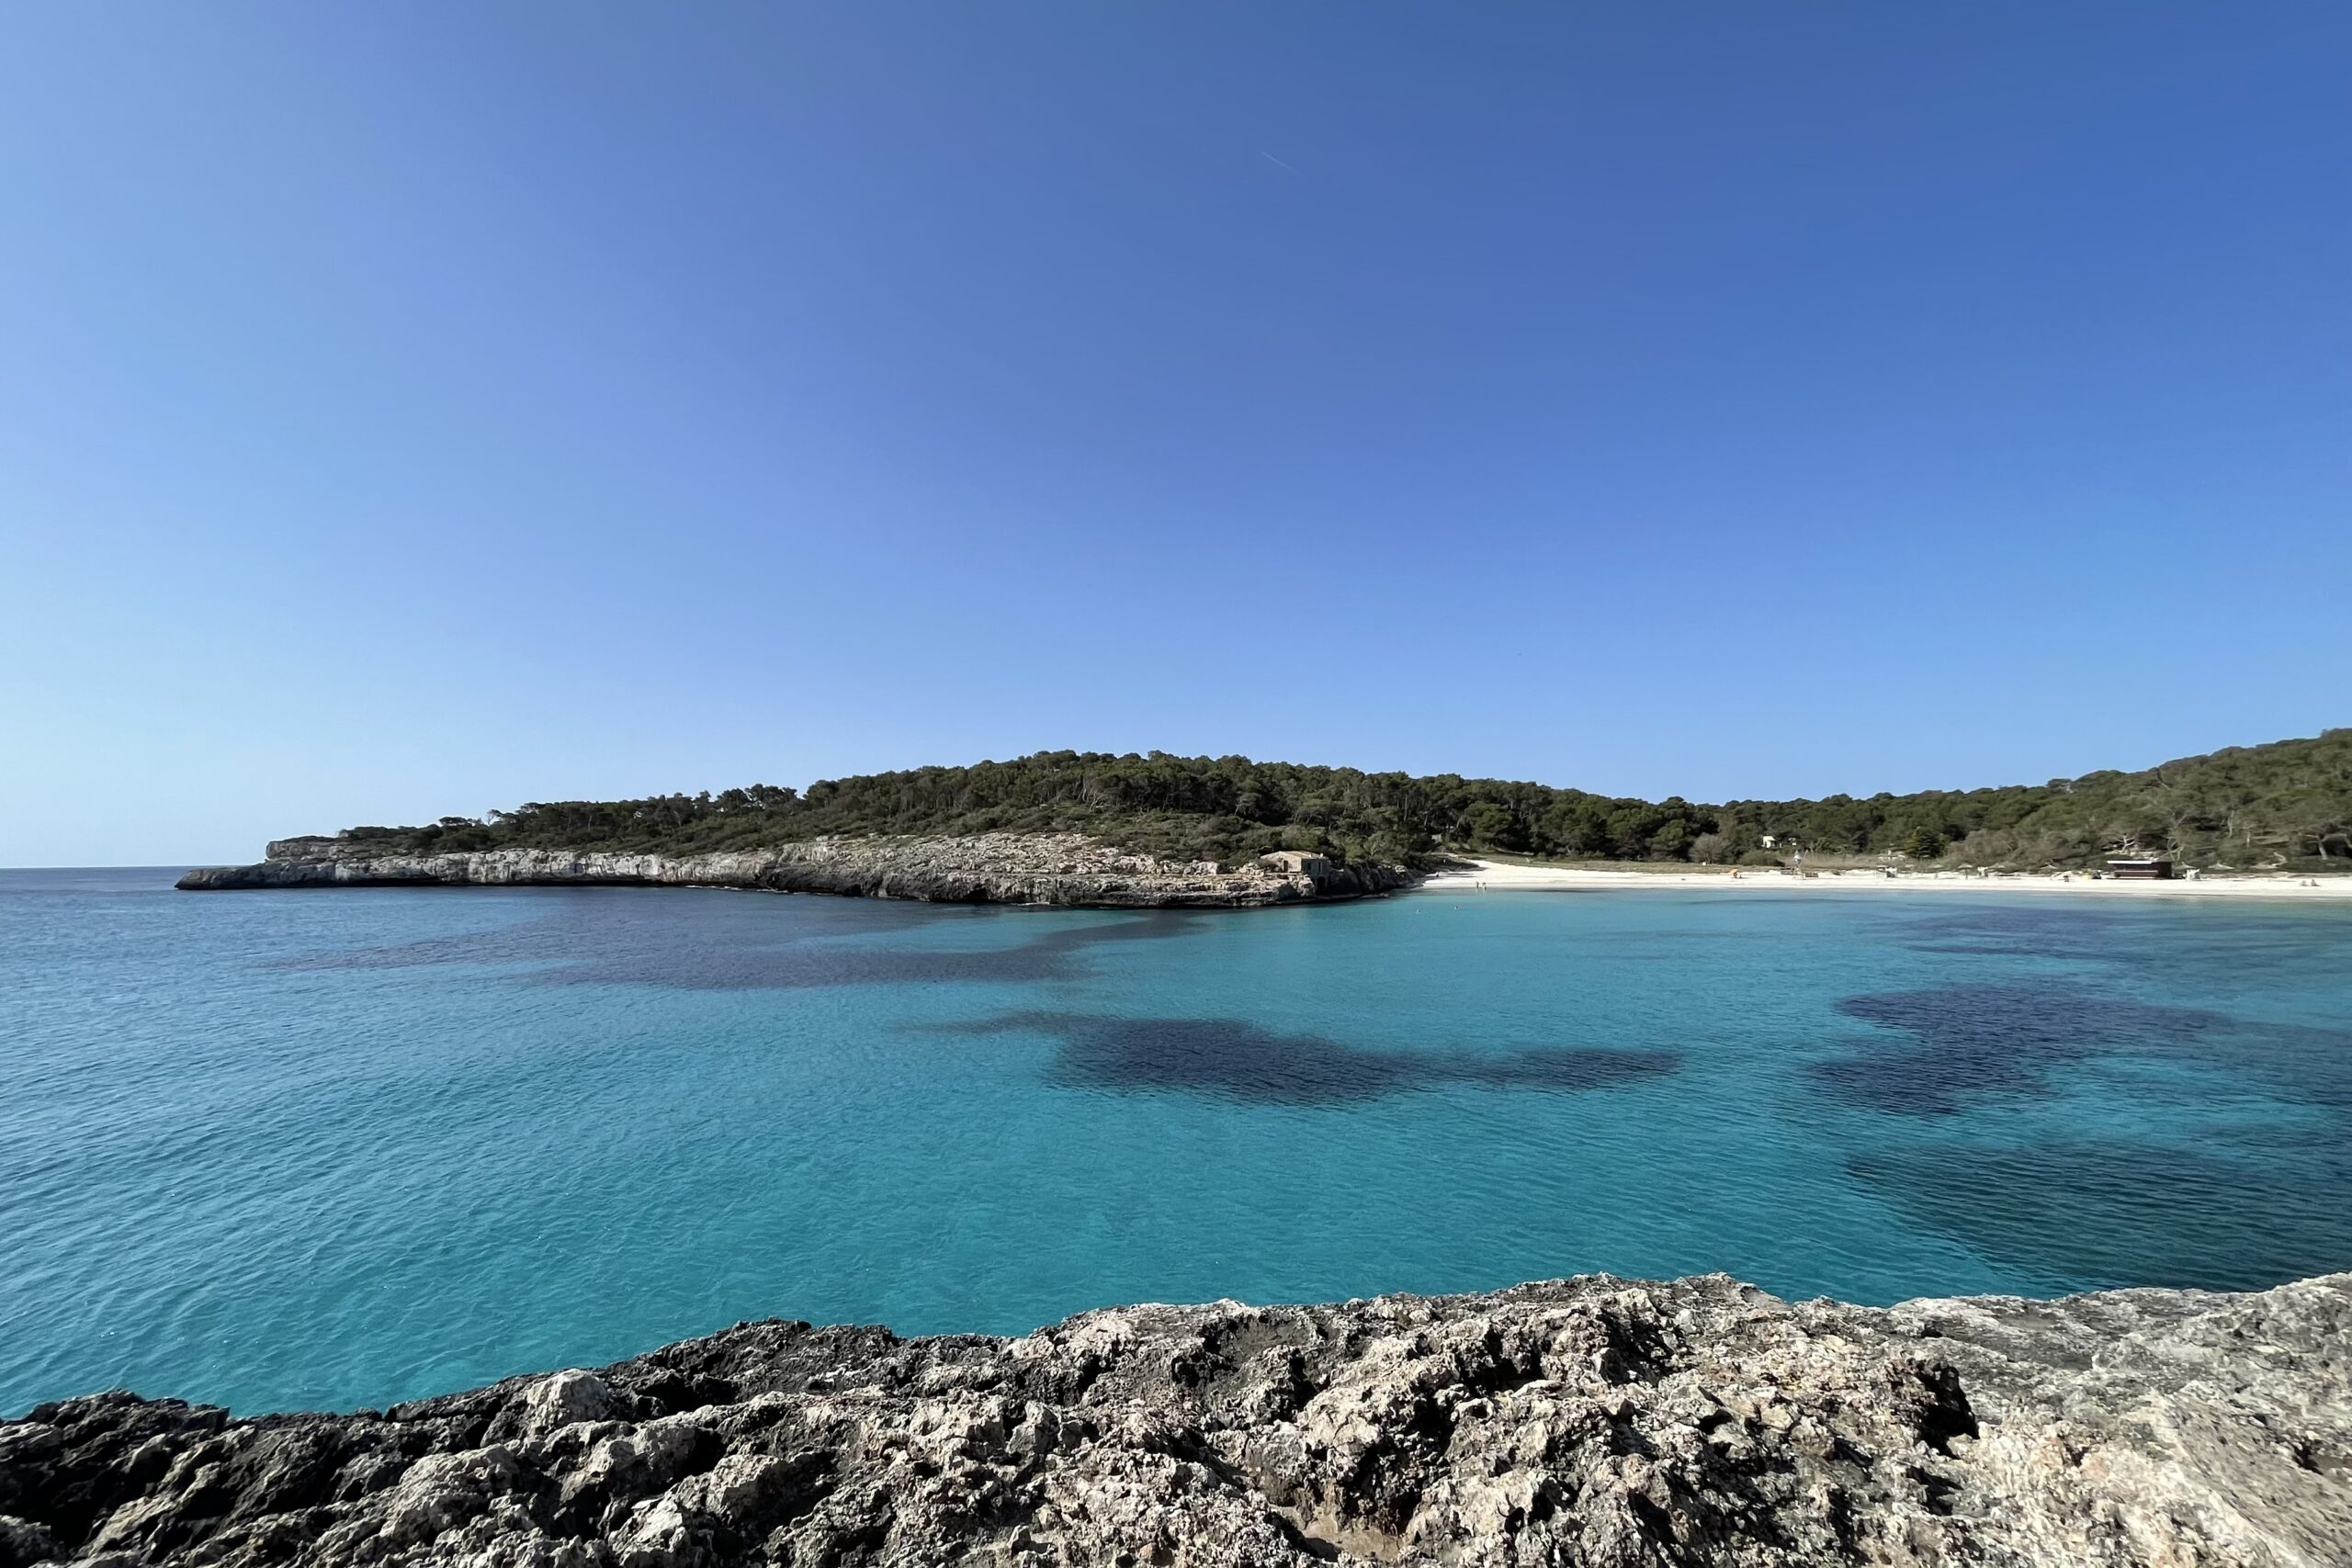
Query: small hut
x=1298, y=863
x=2139, y=869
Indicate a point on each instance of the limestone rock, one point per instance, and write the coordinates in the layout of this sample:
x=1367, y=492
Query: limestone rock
x=986, y=868
x=564, y=1400
x=1595, y=1421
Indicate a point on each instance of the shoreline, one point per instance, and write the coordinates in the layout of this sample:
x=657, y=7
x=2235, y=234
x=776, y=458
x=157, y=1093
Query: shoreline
x=1499, y=876
x=1608, y=1421
x=1067, y=870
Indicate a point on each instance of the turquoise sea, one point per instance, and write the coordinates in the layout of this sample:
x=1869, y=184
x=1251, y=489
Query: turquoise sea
x=302, y=1149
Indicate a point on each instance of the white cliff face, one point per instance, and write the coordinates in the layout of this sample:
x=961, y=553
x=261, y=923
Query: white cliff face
x=988, y=868
x=1596, y=1422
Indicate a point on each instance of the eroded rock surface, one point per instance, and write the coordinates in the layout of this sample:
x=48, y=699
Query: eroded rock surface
x=1591, y=1421
x=985, y=868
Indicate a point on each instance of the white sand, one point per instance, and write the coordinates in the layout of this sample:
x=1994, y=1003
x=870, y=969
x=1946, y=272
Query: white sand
x=1497, y=877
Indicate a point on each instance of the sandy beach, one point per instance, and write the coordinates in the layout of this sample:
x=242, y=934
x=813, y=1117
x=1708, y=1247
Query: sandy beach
x=1500, y=878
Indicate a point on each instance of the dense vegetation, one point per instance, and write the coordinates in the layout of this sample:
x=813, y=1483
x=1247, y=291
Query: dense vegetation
x=2288, y=803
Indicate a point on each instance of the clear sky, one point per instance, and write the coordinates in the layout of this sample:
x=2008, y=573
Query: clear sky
x=412, y=409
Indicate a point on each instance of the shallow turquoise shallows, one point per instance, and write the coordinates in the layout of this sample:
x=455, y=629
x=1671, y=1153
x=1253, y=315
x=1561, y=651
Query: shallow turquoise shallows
x=281, y=1150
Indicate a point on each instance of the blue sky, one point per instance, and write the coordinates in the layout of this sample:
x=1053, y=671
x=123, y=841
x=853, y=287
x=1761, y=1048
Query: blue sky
x=418, y=409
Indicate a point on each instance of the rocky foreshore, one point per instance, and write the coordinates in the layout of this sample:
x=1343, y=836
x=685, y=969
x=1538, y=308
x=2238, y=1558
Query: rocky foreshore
x=1591, y=1421
x=1067, y=869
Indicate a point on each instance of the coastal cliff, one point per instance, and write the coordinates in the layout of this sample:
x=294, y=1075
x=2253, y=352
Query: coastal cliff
x=1068, y=869
x=1592, y=1421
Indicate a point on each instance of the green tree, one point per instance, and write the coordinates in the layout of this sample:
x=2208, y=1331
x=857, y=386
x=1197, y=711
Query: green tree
x=2286, y=800
x=1492, y=826
x=1923, y=843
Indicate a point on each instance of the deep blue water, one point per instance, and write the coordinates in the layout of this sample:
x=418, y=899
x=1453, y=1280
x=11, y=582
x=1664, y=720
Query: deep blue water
x=282, y=1150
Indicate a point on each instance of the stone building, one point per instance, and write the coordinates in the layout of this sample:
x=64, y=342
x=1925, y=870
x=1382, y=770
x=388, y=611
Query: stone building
x=1298, y=863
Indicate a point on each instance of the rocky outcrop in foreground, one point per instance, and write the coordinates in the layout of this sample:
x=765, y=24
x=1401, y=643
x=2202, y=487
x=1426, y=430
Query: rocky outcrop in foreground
x=1591, y=1421
x=988, y=868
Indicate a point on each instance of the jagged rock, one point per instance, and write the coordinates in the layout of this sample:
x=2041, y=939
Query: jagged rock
x=564, y=1400
x=1593, y=1421
x=986, y=868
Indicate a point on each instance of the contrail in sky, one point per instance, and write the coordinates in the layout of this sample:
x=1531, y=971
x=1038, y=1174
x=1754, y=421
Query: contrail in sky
x=1270, y=158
